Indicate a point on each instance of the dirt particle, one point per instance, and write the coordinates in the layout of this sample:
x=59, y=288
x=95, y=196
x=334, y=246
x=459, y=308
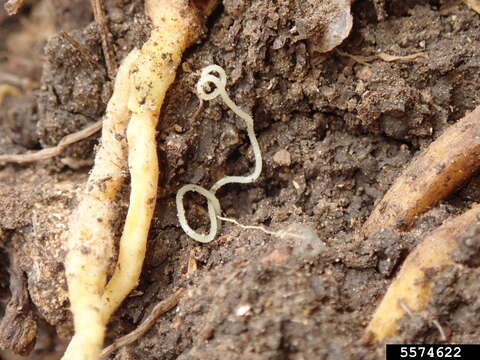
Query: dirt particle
x=282, y=158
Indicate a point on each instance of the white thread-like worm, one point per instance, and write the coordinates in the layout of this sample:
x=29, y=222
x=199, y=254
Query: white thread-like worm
x=214, y=209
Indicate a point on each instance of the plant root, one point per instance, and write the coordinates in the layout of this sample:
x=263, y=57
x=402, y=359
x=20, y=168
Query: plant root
x=48, y=153
x=7, y=90
x=430, y=177
x=159, y=309
x=382, y=56
x=412, y=288
x=87, y=54
x=90, y=242
x=140, y=87
x=177, y=26
x=101, y=20
x=474, y=4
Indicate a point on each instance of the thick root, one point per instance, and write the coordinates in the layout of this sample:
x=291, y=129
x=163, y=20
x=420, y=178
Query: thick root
x=430, y=177
x=474, y=4
x=177, y=26
x=140, y=89
x=90, y=240
x=411, y=287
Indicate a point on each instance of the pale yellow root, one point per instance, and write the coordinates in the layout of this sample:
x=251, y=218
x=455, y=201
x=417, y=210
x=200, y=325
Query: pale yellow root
x=177, y=25
x=411, y=287
x=474, y=4
x=90, y=242
x=6, y=89
x=430, y=177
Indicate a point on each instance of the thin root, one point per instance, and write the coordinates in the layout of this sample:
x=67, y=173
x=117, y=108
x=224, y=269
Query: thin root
x=249, y=227
x=87, y=54
x=159, y=309
x=53, y=151
x=434, y=322
x=382, y=56
x=443, y=336
x=100, y=18
x=406, y=58
x=198, y=111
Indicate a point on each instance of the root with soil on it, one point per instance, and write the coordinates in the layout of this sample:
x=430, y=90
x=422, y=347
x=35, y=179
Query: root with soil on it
x=430, y=177
x=140, y=87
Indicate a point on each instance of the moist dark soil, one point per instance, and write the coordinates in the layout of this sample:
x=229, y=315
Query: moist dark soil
x=335, y=132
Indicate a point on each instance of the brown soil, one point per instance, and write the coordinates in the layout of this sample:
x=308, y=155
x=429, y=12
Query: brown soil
x=349, y=128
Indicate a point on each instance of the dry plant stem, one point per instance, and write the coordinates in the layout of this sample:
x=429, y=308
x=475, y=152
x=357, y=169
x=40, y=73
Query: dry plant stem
x=177, y=26
x=411, y=287
x=87, y=54
x=159, y=309
x=100, y=18
x=90, y=240
x=53, y=151
x=430, y=177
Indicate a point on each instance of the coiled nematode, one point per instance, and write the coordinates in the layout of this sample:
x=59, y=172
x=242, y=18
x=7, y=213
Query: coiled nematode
x=217, y=88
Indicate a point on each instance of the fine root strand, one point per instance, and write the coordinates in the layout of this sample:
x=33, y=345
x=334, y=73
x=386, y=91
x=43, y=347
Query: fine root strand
x=161, y=308
x=53, y=151
x=87, y=54
x=101, y=20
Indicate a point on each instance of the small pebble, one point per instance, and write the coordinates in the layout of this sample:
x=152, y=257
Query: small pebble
x=116, y=16
x=178, y=128
x=282, y=158
x=242, y=310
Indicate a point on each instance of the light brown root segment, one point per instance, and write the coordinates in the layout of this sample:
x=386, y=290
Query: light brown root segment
x=48, y=153
x=430, y=177
x=411, y=287
x=159, y=309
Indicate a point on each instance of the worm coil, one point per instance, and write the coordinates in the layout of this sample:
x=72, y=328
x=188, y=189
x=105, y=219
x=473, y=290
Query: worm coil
x=217, y=83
